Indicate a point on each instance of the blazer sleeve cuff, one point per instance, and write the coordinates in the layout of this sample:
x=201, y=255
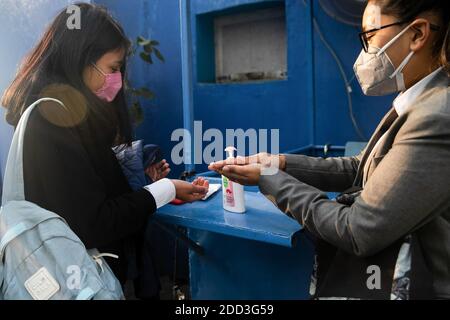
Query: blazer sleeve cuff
x=269, y=185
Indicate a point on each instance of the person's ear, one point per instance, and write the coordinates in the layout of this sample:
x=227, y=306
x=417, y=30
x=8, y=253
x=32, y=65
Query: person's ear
x=420, y=34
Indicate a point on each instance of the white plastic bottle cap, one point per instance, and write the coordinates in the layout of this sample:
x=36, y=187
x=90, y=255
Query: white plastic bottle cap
x=230, y=151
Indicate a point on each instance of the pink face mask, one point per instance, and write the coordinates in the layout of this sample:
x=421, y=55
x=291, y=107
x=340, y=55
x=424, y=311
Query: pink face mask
x=111, y=87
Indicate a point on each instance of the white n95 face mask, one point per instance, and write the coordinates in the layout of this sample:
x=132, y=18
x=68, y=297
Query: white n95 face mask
x=376, y=72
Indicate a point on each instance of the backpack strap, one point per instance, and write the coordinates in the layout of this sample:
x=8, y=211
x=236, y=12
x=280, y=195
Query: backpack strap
x=13, y=185
x=9, y=236
x=17, y=231
x=86, y=294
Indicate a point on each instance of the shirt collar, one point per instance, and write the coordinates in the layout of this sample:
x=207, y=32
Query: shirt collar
x=403, y=101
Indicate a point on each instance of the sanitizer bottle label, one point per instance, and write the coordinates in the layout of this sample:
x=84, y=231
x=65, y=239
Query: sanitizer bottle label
x=228, y=187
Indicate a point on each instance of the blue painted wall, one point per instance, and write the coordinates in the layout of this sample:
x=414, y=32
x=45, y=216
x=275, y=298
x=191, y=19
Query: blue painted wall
x=284, y=105
x=309, y=108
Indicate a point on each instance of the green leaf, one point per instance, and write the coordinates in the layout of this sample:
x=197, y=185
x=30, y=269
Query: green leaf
x=159, y=55
x=142, y=41
x=146, y=57
x=145, y=93
x=154, y=43
x=148, y=48
x=137, y=113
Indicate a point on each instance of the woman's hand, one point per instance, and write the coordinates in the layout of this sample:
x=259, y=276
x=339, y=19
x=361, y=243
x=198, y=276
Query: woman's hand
x=246, y=175
x=158, y=170
x=264, y=159
x=202, y=182
x=190, y=192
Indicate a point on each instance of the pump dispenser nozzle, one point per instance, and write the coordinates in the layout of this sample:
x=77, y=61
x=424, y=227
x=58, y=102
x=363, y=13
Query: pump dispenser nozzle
x=230, y=151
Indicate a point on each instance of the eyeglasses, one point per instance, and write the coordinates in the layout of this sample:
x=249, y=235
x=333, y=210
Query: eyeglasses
x=363, y=36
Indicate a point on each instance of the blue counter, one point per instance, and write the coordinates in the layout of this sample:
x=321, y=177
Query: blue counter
x=261, y=254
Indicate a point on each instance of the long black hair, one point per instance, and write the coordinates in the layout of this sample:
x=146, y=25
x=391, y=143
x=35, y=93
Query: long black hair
x=408, y=10
x=61, y=56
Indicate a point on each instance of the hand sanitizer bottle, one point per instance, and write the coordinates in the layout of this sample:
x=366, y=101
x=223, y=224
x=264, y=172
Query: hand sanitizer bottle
x=233, y=193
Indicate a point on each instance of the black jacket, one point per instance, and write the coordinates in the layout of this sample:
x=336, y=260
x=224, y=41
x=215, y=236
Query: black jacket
x=70, y=172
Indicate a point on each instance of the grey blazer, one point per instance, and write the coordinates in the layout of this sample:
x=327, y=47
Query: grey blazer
x=406, y=189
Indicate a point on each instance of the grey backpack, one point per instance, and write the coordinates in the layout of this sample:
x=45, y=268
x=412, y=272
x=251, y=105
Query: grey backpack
x=40, y=257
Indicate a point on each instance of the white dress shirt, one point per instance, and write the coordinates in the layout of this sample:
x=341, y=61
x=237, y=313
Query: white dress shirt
x=403, y=102
x=163, y=191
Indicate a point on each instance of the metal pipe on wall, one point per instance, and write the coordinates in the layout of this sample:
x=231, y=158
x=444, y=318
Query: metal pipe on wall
x=186, y=79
